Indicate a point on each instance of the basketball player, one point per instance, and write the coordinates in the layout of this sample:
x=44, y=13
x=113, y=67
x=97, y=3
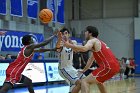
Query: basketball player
x=108, y=65
x=14, y=70
x=66, y=69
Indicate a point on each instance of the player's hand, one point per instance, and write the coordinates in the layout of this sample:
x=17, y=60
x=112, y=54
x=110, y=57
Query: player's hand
x=59, y=42
x=59, y=45
x=2, y=32
x=81, y=71
x=59, y=34
x=80, y=74
x=66, y=42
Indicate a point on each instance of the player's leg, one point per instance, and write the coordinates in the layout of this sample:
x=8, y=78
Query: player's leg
x=126, y=72
x=101, y=87
x=105, y=75
x=132, y=72
x=6, y=86
x=77, y=86
x=85, y=85
x=71, y=75
x=28, y=82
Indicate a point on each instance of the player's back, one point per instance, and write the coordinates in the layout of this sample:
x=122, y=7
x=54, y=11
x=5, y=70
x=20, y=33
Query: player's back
x=20, y=63
x=66, y=57
x=105, y=57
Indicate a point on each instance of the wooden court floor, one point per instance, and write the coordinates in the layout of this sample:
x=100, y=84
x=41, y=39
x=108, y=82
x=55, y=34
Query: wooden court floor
x=131, y=85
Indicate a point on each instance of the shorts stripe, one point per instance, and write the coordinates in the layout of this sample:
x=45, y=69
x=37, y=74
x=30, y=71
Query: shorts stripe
x=68, y=76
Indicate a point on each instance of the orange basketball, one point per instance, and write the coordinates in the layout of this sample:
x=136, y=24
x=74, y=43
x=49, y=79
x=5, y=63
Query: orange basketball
x=45, y=15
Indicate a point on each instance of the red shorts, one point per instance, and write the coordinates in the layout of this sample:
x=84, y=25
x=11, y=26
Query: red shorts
x=13, y=78
x=103, y=74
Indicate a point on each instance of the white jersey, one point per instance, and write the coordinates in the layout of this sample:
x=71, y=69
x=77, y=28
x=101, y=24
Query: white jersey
x=66, y=58
x=66, y=69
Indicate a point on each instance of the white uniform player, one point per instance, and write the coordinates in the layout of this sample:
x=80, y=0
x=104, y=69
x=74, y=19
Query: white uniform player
x=66, y=69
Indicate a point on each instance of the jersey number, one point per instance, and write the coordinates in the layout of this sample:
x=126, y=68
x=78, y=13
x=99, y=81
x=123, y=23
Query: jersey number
x=68, y=56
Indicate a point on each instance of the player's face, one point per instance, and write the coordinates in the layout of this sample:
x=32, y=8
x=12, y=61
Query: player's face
x=66, y=34
x=86, y=35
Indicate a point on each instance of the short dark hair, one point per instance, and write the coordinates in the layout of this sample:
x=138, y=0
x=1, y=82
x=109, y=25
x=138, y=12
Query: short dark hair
x=26, y=39
x=92, y=30
x=64, y=29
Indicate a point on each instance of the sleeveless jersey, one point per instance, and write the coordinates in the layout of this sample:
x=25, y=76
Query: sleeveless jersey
x=16, y=68
x=66, y=57
x=105, y=58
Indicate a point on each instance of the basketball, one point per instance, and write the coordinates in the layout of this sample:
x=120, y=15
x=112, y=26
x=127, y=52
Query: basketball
x=45, y=15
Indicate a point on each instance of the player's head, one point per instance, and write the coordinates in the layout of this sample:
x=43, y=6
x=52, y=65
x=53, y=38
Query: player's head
x=27, y=40
x=65, y=32
x=91, y=32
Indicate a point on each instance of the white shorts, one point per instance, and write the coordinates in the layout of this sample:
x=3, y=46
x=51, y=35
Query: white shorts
x=71, y=75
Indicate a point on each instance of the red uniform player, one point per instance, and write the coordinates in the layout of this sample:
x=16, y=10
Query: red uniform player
x=14, y=70
x=108, y=65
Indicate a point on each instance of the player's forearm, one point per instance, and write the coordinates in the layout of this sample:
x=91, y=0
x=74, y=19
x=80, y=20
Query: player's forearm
x=45, y=50
x=49, y=40
x=78, y=48
x=58, y=44
x=54, y=49
x=88, y=65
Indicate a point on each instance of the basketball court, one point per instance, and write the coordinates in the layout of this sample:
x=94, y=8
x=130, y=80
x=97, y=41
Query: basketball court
x=118, y=22
x=131, y=85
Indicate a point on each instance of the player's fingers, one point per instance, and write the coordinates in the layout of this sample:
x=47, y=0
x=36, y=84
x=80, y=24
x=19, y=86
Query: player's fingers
x=59, y=35
x=64, y=40
x=61, y=43
x=80, y=71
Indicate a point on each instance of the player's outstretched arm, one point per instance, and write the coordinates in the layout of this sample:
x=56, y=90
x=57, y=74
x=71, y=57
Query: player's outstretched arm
x=59, y=42
x=80, y=48
x=30, y=48
x=44, y=50
x=89, y=63
x=47, y=41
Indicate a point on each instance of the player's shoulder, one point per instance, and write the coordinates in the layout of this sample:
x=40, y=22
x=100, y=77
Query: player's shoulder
x=93, y=40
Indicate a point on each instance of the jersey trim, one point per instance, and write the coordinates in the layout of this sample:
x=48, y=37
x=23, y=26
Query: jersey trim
x=24, y=55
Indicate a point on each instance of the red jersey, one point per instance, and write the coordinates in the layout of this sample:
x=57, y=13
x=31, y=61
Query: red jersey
x=132, y=63
x=14, y=70
x=108, y=64
x=105, y=58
